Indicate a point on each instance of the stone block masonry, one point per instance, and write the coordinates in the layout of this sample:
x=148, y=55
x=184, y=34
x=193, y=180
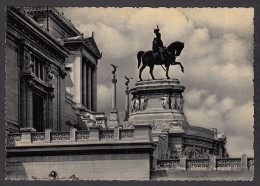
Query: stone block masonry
x=97, y=154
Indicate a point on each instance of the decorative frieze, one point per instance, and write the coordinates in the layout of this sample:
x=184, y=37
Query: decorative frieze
x=195, y=152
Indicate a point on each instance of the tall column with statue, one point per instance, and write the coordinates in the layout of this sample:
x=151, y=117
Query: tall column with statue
x=127, y=98
x=113, y=118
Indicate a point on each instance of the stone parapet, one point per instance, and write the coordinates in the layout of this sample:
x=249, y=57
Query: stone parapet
x=142, y=132
x=206, y=164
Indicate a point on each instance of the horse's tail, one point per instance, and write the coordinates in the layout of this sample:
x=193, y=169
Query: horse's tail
x=139, y=57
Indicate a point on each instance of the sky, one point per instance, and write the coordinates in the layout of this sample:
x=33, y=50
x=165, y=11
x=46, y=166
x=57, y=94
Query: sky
x=217, y=60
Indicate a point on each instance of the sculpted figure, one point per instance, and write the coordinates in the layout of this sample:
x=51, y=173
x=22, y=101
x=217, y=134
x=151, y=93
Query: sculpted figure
x=178, y=102
x=158, y=44
x=173, y=102
x=127, y=80
x=49, y=72
x=28, y=64
x=182, y=103
x=133, y=105
x=137, y=106
x=143, y=103
x=114, y=71
x=165, y=102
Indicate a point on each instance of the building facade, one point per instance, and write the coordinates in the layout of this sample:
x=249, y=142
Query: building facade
x=54, y=131
x=51, y=72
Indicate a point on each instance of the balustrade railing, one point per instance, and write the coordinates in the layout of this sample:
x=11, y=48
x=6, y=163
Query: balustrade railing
x=126, y=133
x=82, y=135
x=228, y=163
x=60, y=136
x=198, y=164
x=95, y=133
x=38, y=136
x=106, y=134
x=212, y=163
x=168, y=164
x=14, y=137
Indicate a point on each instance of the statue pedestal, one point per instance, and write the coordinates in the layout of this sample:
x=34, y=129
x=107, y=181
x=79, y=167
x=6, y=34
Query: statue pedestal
x=113, y=120
x=158, y=102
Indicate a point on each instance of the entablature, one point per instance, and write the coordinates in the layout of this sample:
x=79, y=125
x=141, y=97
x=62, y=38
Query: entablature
x=21, y=26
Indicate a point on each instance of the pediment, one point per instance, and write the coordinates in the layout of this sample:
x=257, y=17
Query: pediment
x=90, y=42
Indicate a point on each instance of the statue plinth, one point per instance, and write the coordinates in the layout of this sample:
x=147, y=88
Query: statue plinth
x=113, y=120
x=158, y=101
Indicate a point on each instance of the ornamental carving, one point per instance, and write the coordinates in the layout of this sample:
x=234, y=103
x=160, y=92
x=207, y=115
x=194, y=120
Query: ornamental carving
x=195, y=152
x=143, y=104
x=82, y=135
x=198, y=164
x=126, y=133
x=138, y=104
x=38, y=136
x=165, y=102
x=14, y=137
x=106, y=134
x=168, y=164
x=228, y=163
x=38, y=42
x=28, y=63
x=60, y=136
x=135, y=104
x=177, y=102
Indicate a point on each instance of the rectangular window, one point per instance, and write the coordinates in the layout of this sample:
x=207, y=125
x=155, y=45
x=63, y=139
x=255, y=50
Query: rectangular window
x=38, y=68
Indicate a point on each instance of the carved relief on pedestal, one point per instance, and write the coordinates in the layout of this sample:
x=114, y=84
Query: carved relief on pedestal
x=177, y=102
x=144, y=102
x=135, y=104
x=165, y=102
x=173, y=101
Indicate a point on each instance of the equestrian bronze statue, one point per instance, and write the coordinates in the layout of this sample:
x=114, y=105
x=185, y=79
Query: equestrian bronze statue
x=160, y=55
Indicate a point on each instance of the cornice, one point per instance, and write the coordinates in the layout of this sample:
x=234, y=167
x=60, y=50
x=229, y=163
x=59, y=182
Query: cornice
x=31, y=30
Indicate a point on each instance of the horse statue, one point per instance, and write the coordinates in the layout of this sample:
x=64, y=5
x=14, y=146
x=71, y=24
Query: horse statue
x=148, y=58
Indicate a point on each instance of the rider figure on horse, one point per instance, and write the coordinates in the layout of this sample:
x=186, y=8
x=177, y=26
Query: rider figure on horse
x=158, y=48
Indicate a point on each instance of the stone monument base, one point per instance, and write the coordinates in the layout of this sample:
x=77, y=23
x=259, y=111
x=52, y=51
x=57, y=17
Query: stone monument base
x=113, y=120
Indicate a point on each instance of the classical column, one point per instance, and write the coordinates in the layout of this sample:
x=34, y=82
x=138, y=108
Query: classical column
x=77, y=81
x=29, y=107
x=84, y=83
x=89, y=88
x=126, y=104
x=113, y=118
x=94, y=89
x=23, y=105
x=114, y=81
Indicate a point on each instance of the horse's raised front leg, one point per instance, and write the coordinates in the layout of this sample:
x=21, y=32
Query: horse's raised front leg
x=179, y=63
x=140, y=72
x=151, y=71
x=167, y=70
